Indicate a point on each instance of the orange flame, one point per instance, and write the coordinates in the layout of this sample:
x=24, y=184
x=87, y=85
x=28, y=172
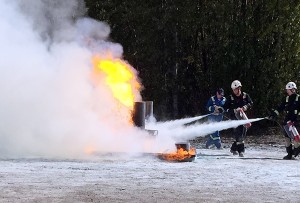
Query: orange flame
x=180, y=155
x=120, y=78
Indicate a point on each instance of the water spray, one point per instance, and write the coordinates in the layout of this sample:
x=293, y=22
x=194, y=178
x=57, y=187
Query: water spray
x=176, y=123
x=201, y=130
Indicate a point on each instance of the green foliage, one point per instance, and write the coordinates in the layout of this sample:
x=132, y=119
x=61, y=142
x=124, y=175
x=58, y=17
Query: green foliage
x=185, y=49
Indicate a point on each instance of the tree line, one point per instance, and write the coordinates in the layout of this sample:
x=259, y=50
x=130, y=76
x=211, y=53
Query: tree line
x=184, y=50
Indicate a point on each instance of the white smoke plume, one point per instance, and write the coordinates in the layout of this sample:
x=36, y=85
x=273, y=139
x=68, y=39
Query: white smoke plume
x=49, y=106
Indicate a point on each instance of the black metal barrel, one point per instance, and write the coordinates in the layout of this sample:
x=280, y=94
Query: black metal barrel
x=138, y=114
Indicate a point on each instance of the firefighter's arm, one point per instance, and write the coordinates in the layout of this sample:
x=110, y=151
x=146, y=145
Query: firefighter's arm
x=295, y=118
x=273, y=115
x=281, y=107
x=275, y=112
x=227, y=106
x=298, y=117
x=249, y=103
x=220, y=108
x=209, y=106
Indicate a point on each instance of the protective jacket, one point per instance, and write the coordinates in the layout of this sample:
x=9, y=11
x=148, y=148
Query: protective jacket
x=234, y=102
x=211, y=106
x=291, y=106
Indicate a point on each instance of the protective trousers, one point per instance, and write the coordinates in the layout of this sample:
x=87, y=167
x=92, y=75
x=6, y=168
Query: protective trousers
x=289, y=142
x=239, y=135
x=214, y=138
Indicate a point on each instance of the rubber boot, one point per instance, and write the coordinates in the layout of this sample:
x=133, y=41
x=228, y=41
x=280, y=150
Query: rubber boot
x=233, y=149
x=297, y=151
x=241, y=149
x=289, y=150
x=208, y=142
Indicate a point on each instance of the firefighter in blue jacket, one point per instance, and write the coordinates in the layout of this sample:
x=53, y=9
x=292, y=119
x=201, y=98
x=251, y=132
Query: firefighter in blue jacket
x=235, y=103
x=291, y=105
x=215, y=107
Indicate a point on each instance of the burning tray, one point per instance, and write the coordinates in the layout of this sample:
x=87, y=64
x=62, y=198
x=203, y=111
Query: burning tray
x=166, y=157
x=184, y=153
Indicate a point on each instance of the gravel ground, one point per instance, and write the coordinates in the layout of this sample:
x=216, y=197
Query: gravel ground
x=215, y=176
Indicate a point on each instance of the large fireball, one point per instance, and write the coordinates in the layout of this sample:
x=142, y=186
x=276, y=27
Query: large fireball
x=120, y=78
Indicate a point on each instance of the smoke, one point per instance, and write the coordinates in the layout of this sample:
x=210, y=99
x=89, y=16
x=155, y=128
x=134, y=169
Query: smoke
x=49, y=106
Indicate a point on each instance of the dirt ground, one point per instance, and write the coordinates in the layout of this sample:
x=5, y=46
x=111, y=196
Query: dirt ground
x=215, y=176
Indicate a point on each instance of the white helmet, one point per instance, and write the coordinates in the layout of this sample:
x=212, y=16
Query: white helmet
x=290, y=85
x=235, y=84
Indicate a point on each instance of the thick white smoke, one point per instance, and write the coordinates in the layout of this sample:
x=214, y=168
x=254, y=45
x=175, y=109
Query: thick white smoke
x=48, y=104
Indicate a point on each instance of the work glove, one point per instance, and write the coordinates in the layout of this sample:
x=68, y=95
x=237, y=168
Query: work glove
x=272, y=116
x=216, y=111
x=221, y=110
x=245, y=108
x=291, y=124
x=237, y=110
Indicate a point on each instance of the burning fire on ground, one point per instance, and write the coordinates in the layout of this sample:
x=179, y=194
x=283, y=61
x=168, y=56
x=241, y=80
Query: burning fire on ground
x=180, y=155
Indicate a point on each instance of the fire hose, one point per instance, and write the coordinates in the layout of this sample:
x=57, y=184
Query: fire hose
x=201, y=117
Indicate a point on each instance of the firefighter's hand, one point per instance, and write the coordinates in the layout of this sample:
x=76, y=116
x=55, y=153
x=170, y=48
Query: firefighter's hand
x=272, y=116
x=216, y=109
x=291, y=123
x=237, y=110
x=221, y=110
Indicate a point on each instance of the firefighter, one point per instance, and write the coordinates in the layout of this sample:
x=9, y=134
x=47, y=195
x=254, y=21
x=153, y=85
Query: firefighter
x=235, y=104
x=215, y=107
x=291, y=105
